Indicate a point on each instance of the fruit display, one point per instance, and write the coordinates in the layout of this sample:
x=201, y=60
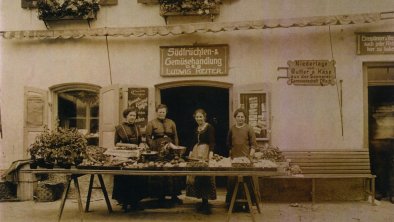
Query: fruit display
x=219, y=161
x=101, y=157
x=126, y=146
x=269, y=152
x=265, y=164
x=241, y=162
x=197, y=164
x=95, y=155
x=294, y=170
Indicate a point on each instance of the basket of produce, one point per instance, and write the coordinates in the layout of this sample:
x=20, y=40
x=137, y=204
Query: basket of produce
x=177, y=150
x=150, y=155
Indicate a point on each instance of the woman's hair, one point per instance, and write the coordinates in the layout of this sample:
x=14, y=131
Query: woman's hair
x=200, y=111
x=129, y=110
x=161, y=106
x=240, y=110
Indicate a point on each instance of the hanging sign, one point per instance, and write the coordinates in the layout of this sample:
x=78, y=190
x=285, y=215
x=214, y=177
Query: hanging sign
x=372, y=43
x=210, y=60
x=138, y=98
x=310, y=72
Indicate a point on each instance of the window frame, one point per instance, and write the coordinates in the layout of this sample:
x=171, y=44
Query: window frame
x=64, y=88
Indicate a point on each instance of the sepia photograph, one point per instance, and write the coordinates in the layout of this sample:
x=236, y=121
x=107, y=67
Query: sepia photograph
x=197, y=110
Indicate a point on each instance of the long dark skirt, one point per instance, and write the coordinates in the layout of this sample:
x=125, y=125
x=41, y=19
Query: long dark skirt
x=241, y=193
x=129, y=189
x=201, y=187
x=161, y=186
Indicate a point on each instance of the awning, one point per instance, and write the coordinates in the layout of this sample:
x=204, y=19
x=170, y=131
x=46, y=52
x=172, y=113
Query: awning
x=200, y=27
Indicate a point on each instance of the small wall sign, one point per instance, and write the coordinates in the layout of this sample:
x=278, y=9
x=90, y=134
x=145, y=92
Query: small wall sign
x=375, y=43
x=210, y=60
x=138, y=99
x=310, y=72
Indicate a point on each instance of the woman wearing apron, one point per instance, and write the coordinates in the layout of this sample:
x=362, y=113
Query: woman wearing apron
x=160, y=132
x=128, y=190
x=200, y=186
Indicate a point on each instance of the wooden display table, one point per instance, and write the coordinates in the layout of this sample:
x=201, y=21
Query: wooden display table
x=74, y=173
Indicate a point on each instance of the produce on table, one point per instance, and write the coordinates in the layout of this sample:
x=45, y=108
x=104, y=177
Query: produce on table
x=265, y=164
x=269, y=152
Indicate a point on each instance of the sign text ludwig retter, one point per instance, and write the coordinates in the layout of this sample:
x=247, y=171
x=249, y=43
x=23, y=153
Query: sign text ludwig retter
x=210, y=60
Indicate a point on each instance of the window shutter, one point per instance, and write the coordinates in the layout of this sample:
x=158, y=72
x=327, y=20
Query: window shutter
x=35, y=115
x=109, y=114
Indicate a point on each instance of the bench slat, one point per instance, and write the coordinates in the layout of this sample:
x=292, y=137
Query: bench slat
x=333, y=164
x=331, y=171
x=328, y=151
x=329, y=160
x=335, y=168
x=350, y=156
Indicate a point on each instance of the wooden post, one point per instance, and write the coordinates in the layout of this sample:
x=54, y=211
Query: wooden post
x=27, y=183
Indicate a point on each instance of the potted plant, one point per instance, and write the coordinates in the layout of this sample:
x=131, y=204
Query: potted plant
x=67, y=9
x=64, y=147
x=189, y=7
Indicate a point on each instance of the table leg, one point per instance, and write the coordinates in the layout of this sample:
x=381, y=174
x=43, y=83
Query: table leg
x=64, y=198
x=235, y=192
x=89, y=193
x=373, y=191
x=256, y=190
x=313, y=191
x=246, y=189
x=75, y=178
x=105, y=193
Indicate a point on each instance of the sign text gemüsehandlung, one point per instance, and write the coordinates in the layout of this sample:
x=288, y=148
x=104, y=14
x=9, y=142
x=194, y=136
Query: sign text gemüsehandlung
x=210, y=60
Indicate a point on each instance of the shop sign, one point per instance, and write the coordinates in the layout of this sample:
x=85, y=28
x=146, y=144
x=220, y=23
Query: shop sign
x=310, y=72
x=375, y=43
x=138, y=98
x=210, y=60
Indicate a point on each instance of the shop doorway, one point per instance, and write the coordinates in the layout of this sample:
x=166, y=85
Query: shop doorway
x=381, y=127
x=184, y=100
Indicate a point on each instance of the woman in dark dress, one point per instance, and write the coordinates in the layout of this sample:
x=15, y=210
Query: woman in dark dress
x=204, y=140
x=160, y=132
x=241, y=141
x=128, y=190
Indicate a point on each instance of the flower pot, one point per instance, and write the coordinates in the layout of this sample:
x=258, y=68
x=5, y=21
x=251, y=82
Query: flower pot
x=48, y=165
x=40, y=162
x=64, y=165
x=33, y=164
x=78, y=161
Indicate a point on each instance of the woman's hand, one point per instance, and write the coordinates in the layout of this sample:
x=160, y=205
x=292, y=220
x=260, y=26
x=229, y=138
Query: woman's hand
x=252, y=151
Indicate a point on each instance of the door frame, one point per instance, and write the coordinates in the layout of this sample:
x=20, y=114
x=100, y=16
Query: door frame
x=216, y=84
x=367, y=83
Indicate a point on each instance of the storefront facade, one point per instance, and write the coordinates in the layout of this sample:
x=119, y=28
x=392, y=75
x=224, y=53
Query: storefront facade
x=42, y=78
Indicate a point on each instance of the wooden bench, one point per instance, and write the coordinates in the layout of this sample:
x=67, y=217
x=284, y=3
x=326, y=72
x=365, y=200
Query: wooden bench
x=334, y=164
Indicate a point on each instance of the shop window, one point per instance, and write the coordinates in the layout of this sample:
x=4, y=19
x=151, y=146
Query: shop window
x=77, y=106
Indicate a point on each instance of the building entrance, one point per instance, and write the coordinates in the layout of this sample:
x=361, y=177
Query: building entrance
x=183, y=101
x=381, y=127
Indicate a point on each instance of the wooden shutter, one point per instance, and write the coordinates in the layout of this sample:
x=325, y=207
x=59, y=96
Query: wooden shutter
x=109, y=114
x=35, y=115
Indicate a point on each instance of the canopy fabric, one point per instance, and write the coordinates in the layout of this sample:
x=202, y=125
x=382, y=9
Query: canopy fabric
x=199, y=27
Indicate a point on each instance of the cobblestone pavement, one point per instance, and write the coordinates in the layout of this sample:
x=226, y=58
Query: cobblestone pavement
x=334, y=211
